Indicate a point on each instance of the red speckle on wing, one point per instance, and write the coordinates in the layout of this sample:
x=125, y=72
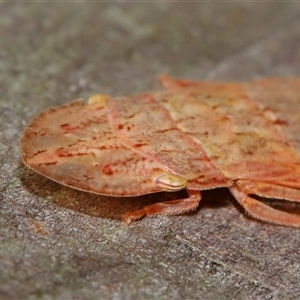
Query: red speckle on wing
x=107, y=170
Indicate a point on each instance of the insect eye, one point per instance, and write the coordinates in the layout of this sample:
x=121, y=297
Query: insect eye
x=170, y=182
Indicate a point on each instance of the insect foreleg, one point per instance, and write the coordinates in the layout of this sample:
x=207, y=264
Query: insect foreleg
x=172, y=207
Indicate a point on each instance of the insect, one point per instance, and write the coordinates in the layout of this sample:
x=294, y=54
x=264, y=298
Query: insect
x=191, y=135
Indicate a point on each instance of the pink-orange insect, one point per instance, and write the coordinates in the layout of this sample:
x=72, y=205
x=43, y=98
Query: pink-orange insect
x=192, y=135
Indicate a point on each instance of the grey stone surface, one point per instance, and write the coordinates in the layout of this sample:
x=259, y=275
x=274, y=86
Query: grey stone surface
x=57, y=243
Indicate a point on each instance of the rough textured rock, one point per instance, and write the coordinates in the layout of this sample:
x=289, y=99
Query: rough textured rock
x=57, y=243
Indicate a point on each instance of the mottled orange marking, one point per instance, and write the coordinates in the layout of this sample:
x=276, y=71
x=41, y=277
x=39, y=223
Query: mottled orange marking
x=193, y=135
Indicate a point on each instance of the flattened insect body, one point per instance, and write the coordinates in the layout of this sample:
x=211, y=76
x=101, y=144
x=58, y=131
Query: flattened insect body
x=75, y=145
x=257, y=148
x=193, y=136
x=151, y=132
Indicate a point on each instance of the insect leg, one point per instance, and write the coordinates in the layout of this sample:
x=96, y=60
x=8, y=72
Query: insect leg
x=268, y=190
x=262, y=211
x=172, y=207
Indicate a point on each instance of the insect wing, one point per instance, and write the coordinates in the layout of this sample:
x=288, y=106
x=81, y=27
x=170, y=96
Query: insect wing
x=75, y=145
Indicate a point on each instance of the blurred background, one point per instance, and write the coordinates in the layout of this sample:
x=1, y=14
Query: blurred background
x=62, y=244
